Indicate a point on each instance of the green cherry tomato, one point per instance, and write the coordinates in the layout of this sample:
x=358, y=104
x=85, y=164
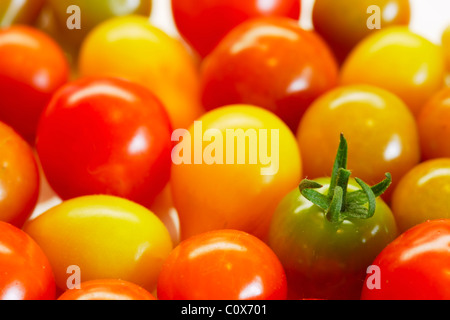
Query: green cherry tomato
x=19, y=11
x=326, y=239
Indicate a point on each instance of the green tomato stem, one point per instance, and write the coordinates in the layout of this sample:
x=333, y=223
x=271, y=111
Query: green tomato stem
x=339, y=204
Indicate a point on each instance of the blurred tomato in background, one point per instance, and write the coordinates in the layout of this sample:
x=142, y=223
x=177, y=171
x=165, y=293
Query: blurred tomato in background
x=32, y=68
x=19, y=11
x=203, y=23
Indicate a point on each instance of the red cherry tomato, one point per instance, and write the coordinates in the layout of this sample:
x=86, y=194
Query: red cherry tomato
x=19, y=178
x=415, y=266
x=222, y=265
x=105, y=136
x=25, y=273
x=271, y=63
x=32, y=68
x=203, y=23
x=107, y=290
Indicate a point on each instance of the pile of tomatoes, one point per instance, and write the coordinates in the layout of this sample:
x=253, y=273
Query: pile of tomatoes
x=96, y=112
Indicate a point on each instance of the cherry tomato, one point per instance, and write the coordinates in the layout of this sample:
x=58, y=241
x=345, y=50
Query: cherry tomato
x=19, y=178
x=228, y=189
x=107, y=290
x=415, y=266
x=19, y=12
x=25, y=273
x=423, y=194
x=381, y=131
x=343, y=24
x=222, y=265
x=106, y=237
x=130, y=47
x=418, y=64
x=271, y=63
x=326, y=248
x=105, y=136
x=203, y=23
x=32, y=68
x=434, y=129
x=446, y=46
x=93, y=13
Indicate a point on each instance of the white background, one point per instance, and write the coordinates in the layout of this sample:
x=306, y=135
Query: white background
x=429, y=19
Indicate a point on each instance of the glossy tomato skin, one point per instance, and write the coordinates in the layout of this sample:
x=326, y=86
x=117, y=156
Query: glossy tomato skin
x=433, y=123
x=381, y=132
x=222, y=265
x=111, y=290
x=105, y=136
x=415, y=266
x=423, y=194
x=93, y=13
x=26, y=273
x=130, y=47
x=343, y=24
x=106, y=237
x=325, y=260
x=224, y=193
x=32, y=68
x=419, y=65
x=271, y=63
x=19, y=12
x=204, y=23
x=19, y=178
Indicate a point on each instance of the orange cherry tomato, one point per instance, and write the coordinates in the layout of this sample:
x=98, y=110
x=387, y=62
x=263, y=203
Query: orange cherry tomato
x=343, y=24
x=434, y=127
x=230, y=190
x=399, y=61
x=271, y=63
x=25, y=272
x=19, y=178
x=107, y=290
x=381, y=133
x=130, y=47
x=32, y=68
x=222, y=265
x=423, y=194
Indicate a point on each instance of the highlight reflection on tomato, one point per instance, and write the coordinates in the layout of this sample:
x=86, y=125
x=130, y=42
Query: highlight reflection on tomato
x=118, y=290
x=222, y=265
x=19, y=178
x=19, y=12
x=25, y=272
x=271, y=63
x=203, y=23
x=32, y=68
x=381, y=133
x=105, y=136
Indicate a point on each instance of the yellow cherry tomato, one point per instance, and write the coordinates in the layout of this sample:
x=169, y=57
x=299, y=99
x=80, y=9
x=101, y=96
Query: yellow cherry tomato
x=220, y=183
x=381, y=132
x=105, y=237
x=423, y=194
x=130, y=47
x=400, y=61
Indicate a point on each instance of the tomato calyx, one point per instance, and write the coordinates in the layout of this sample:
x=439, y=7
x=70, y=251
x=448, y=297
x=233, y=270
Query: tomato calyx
x=338, y=204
